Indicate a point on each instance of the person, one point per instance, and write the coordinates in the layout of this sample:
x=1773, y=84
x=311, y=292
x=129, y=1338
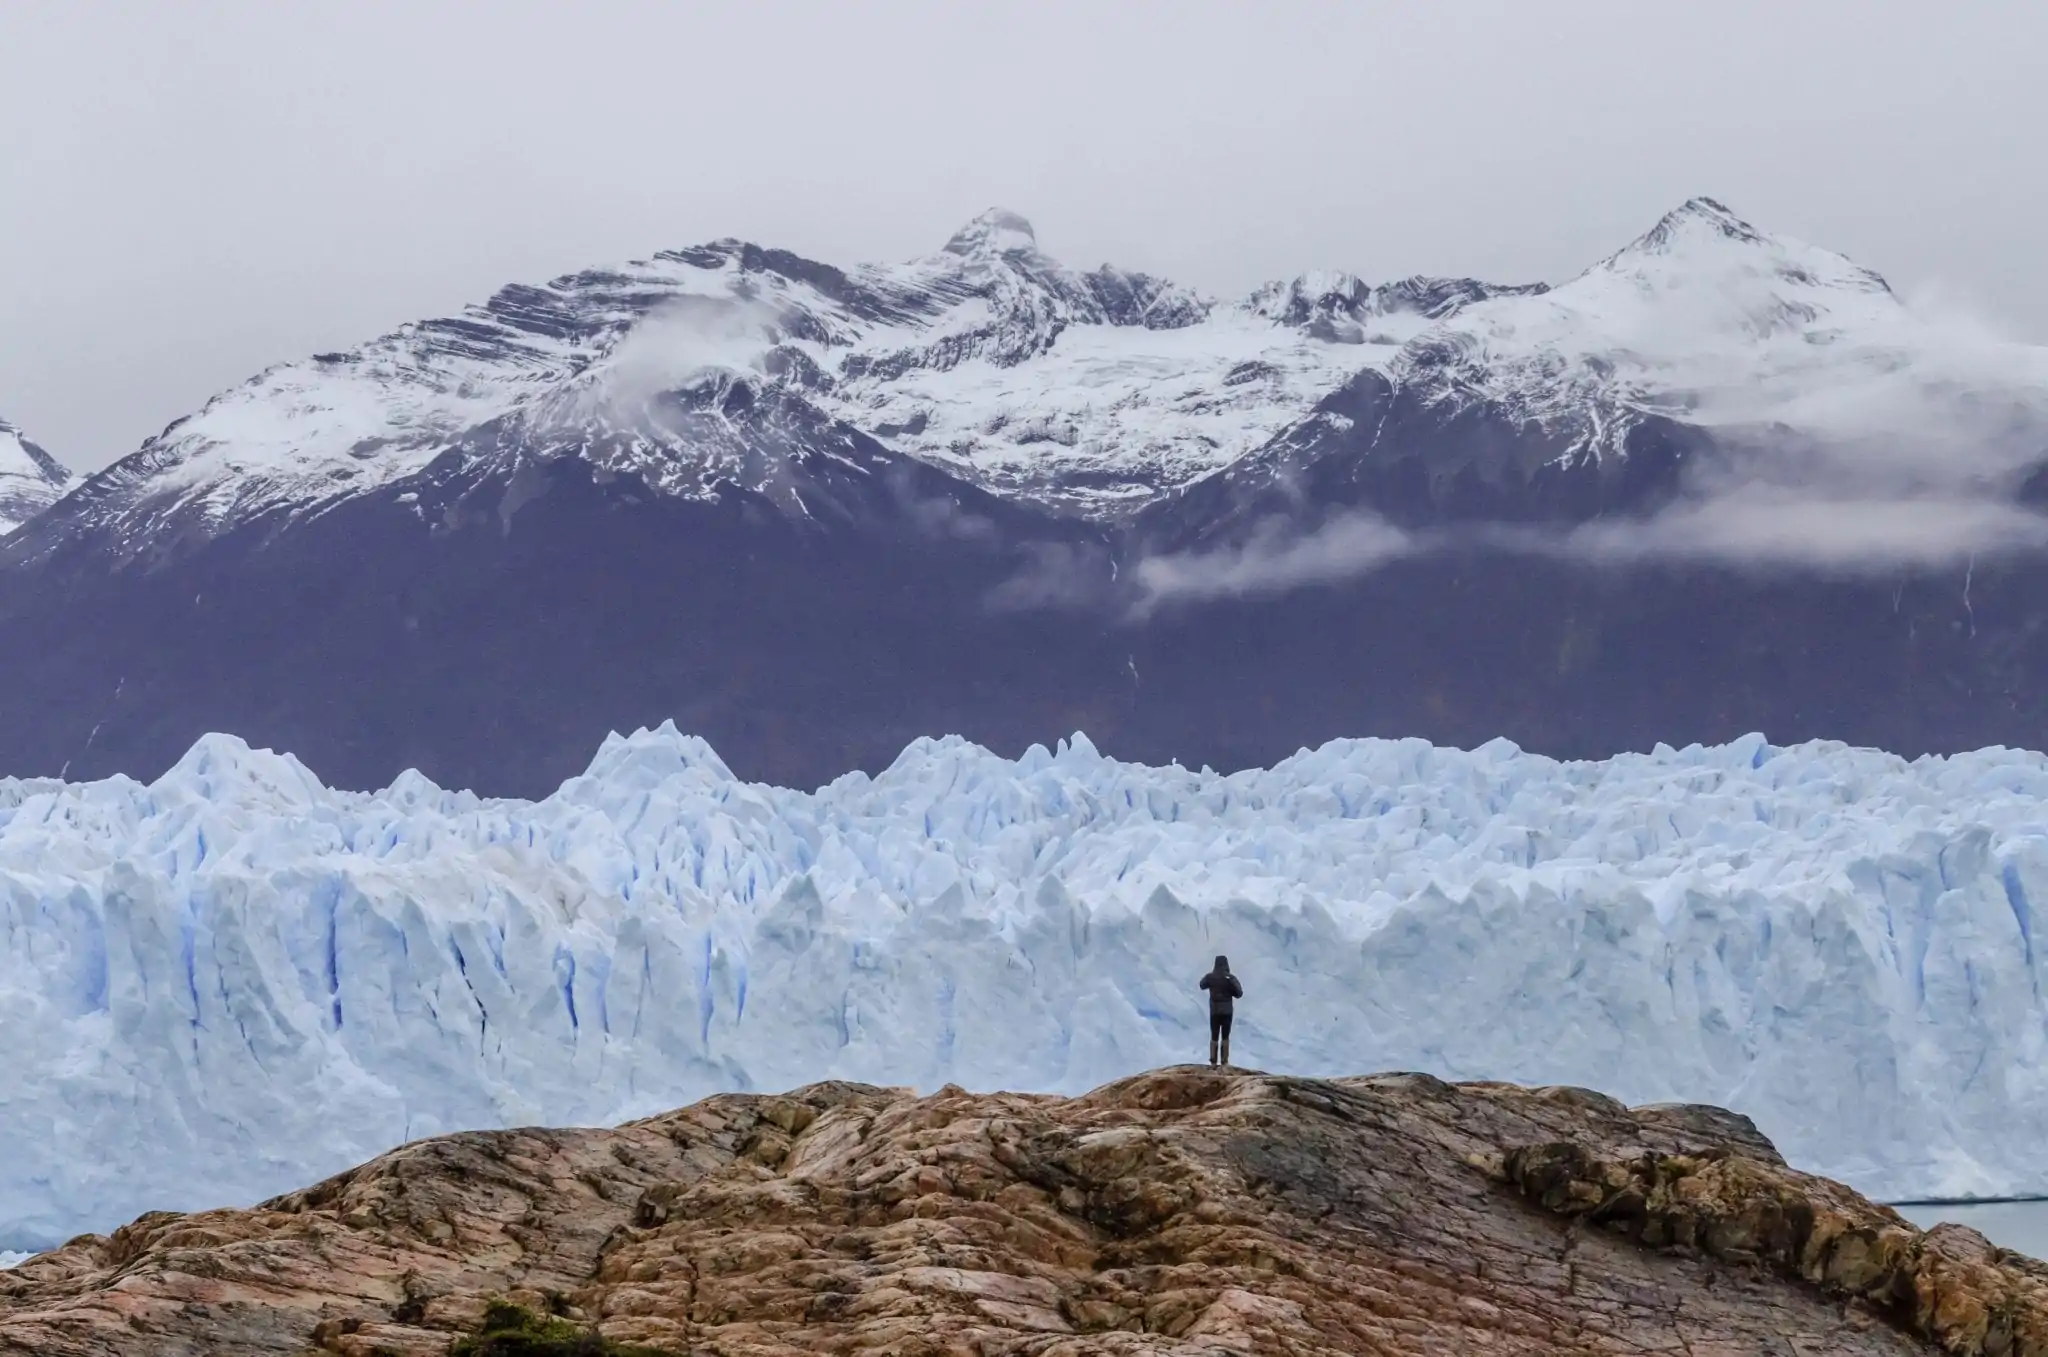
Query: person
x=1224, y=991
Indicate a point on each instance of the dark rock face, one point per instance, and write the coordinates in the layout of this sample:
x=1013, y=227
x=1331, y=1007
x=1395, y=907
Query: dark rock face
x=1186, y=1211
x=1342, y=308
x=1372, y=447
x=490, y=632
x=1583, y=661
x=490, y=627
x=1949, y=1286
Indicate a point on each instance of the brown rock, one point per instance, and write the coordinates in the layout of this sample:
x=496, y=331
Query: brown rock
x=1180, y=1212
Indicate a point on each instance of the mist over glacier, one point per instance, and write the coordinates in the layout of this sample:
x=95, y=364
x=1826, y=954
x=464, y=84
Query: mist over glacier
x=233, y=980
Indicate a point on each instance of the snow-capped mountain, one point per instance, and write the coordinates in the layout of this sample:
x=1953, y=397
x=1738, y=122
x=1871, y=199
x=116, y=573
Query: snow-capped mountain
x=1602, y=394
x=1707, y=320
x=1098, y=393
x=815, y=512
x=31, y=480
x=1087, y=392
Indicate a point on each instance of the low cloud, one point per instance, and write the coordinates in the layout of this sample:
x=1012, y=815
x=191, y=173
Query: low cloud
x=1756, y=528
x=939, y=515
x=1273, y=560
x=1059, y=576
x=684, y=342
x=1759, y=528
x=1914, y=473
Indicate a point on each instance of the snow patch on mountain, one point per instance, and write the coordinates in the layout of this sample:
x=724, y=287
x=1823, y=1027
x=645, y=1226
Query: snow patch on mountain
x=265, y=980
x=1111, y=416
x=1708, y=321
x=31, y=480
x=1101, y=392
x=1343, y=308
x=303, y=434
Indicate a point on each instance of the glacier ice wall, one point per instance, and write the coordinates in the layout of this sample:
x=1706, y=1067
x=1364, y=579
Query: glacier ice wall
x=234, y=980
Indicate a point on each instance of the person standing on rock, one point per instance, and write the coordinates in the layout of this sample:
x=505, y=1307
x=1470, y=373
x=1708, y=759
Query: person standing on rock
x=1224, y=991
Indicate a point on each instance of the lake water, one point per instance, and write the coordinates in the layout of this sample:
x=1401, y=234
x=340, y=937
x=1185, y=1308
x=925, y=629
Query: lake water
x=2021, y=1226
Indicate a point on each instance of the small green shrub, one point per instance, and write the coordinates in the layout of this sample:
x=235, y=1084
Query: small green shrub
x=514, y=1331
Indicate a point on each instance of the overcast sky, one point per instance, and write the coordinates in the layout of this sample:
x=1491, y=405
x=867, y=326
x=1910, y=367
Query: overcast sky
x=190, y=192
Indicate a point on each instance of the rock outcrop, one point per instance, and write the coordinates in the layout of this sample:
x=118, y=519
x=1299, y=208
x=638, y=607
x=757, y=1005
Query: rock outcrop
x=1179, y=1212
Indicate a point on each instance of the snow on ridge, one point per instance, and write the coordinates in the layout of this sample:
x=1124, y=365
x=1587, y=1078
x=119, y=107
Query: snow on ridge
x=31, y=480
x=1089, y=392
x=272, y=980
x=1109, y=417
x=302, y=434
x=1094, y=390
x=1708, y=320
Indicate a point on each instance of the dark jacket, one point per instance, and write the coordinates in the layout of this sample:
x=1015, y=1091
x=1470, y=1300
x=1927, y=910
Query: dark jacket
x=1222, y=986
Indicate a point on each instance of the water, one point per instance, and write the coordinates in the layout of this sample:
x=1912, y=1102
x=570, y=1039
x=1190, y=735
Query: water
x=2021, y=1226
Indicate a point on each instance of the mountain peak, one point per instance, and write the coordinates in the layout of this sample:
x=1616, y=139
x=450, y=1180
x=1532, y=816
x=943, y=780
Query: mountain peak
x=1697, y=218
x=1693, y=241
x=30, y=478
x=14, y=444
x=997, y=231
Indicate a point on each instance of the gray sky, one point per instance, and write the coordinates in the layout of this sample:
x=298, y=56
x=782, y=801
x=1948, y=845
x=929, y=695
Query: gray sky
x=190, y=192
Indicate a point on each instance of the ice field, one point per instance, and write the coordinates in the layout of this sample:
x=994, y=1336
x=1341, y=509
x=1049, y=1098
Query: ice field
x=234, y=980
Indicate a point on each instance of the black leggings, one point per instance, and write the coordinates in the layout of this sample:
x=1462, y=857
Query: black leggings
x=1219, y=1025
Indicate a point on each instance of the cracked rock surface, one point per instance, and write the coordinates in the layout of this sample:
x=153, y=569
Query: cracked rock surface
x=1184, y=1211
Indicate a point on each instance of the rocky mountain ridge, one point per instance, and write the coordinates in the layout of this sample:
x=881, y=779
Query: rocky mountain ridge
x=1091, y=393
x=1186, y=1211
x=1094, y=393
x=1721, y=481
x=31, y=480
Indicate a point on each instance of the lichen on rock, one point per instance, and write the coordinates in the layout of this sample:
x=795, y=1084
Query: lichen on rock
x=510, y=1330
x=1948, y=1285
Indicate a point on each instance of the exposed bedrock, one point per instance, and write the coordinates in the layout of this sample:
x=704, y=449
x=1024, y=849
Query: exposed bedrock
x=1183, y=1211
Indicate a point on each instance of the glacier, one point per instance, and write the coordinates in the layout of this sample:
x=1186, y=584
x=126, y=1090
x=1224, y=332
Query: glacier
x=234, y=979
